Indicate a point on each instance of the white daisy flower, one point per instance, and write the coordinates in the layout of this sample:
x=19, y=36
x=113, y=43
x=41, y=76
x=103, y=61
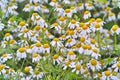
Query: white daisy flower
x=21, y=53
x=5, y=57
x=94, y=65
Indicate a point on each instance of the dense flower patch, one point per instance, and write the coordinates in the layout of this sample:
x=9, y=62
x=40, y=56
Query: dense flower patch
x=59, y=40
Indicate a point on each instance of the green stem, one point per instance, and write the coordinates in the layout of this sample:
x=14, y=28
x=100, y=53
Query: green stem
x=98, y=38
x=115, y=40
x=23, y=64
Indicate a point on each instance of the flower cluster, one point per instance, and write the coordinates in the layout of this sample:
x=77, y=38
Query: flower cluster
x=40, y=36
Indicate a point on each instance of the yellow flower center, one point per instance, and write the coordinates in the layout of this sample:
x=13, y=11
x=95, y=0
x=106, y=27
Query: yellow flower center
x=77, y=45
x=73, y=21
x=27, y=69
x=84, y=46
x=107, y=73
x=118, y=64
x=26, y=30
x=37, y=28
x=115, y=27
x=93, y=62
x=38, y=44
x=54, y=0
x=69, y=40
x=81, y=24
x=22, y=50
x=12, y=41
x=82, y=39
x=86, y=72
x=89, y=47
x=7, y=34
x=1, y=66
x=67, y=10
x=98, y=20
x=79, y=4
x=111, y=14
x=59, y=6
x=44, y=29
x=71, y=53
x=36, y=4
x=37, y=72
x=71, y=32
x=67, y=63
x=86, y=12
x=99, y=75
x=35, y=55
x=11, y=19
x=61, y=18
x=55, y=24
x=56, y=39
x=63, y=36
x=22, y=23
x=55, y=56
x=90, y=4
x=27, y=6
x=92, y=41
x=114, y=73
x=4, y=55
x=97, y=25
x=44, y=7
x=95, y=50
x=46, y=46
x=5, y=42
x=78, y=67
x=35, y=14
x=85, y=27
x=108, y=8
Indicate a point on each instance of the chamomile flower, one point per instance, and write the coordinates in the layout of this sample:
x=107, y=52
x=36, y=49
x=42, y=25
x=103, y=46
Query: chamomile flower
x=94, y=65
x=62, y=20
x=73, y=24
x=89, y=6
x=34, y=1
x=37, y=74
x=59, y=10
x=95, y=53
x=8, y=36
x=44, y=9
x=115, y=29
x=37, y=48
x=21, y=53
x=36, y=7
x=68, y=13
x=80, y=6
x=56, y=43
x=36, y=57
x=70, y=42
x=71, y=55
x=77, y=68
x=28, y=69
x=3, y=68
x=87, y=15
x=116, y=66
x=46, y=48
x=56, y=26
x=5, y=57
x=22, y=25
x=111, y=17
x=57, y=59
x=53, y=3
x=106, y=75
x=66, y=64
x=27, y=8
